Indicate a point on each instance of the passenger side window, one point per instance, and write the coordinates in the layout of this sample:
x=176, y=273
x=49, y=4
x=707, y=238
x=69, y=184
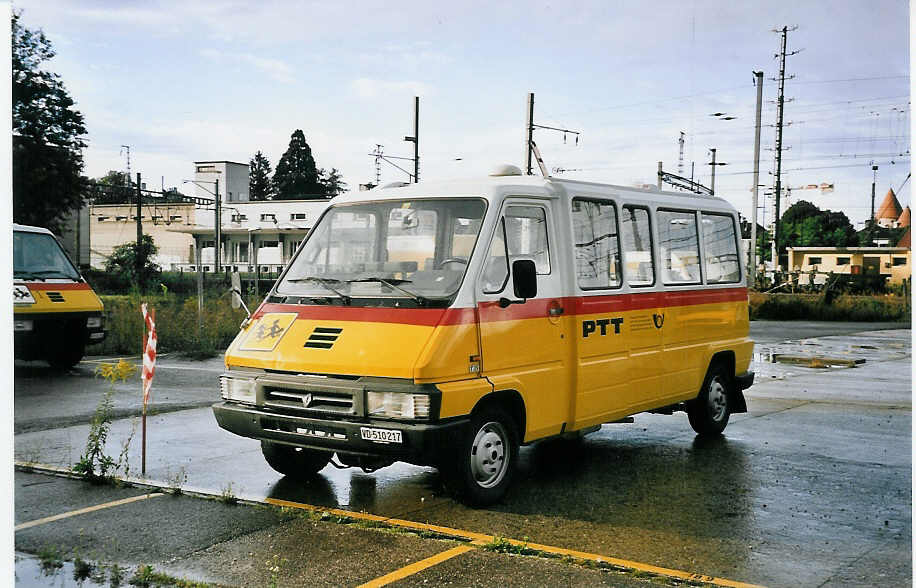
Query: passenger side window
x=679, y=245
x=496, y=270
x=596, y=244
x=722, y=263
x=526, y=236
x=636, y=237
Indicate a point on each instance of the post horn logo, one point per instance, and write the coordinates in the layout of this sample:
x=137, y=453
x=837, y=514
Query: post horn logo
x=659, y=320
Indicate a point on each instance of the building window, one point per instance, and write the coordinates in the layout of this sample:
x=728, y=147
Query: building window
x=814, y=260
x=206, y=168
x=121, y=218
x=237, y=218
x=157, y=217
x=102, y=219
x=263, y=244
x=205, y=244
x=297, y=216
x=268, y=217
x=175, y=218
x=842, y=261
x=243, y=252
x=899, y=261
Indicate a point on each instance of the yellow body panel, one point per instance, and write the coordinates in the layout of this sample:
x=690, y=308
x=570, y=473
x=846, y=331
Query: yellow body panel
x=76, y=298
x=653, y=350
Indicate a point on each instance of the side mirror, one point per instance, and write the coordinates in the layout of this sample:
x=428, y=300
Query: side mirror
x=524, y=278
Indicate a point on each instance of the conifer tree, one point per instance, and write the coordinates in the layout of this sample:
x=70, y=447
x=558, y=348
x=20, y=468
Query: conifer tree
x=260, y=187
x=297, y=176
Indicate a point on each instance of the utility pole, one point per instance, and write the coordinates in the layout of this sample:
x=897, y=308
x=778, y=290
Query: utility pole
x=758, y=80
x=530, y=147
x=138, y=259
x=529, y=132
x=712, y=182
x=780, y=107
x=680, y=155
x=218, y=235
x=415, y=140
x=871, y=219
x=127, y=147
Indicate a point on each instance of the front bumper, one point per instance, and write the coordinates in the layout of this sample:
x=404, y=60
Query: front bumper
x=36, y=333
x=423, y=443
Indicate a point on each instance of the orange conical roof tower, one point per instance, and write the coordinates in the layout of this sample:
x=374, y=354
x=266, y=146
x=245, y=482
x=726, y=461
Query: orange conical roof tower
x=890, y=209
x=904, y=220
x=905, y=239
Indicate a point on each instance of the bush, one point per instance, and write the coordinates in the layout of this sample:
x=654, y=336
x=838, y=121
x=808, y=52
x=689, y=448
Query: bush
x=814, y=307
x=176, y=324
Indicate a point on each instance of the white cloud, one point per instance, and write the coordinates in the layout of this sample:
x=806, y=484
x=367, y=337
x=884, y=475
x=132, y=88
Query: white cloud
x=372, y=88
x=273, y=68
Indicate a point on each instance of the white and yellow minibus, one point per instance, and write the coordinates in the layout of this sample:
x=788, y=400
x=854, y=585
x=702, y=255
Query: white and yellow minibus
x=56, y=314
x=446, y=324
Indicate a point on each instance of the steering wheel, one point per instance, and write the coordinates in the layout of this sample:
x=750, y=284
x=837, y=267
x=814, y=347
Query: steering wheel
x=460, y=260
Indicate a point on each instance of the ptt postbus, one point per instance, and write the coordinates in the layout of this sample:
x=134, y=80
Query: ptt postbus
x=446, y=324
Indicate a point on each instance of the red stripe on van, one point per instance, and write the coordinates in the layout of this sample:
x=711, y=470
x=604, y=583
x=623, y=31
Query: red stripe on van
x=60, y=286
x=429, y=317
x=490, y=311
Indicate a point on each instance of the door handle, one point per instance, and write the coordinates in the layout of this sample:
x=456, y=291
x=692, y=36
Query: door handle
x=555, y=311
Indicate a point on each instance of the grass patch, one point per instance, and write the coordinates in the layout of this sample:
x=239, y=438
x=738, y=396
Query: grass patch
x=814, y=307
x=176, y=324
x=146, y=576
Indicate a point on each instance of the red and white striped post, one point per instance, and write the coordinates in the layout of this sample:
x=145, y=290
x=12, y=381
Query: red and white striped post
x=149, y=368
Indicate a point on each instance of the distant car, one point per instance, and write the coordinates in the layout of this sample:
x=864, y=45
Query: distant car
x=56, y=313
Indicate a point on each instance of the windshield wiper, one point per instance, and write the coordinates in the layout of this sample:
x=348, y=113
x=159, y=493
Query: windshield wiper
x=48, y=273
x=393, y=284
x=27, y=276
x=326, y=282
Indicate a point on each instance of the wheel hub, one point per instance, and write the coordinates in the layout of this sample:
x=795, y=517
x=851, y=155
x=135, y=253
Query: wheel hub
x=488, y=455
x=717, y=400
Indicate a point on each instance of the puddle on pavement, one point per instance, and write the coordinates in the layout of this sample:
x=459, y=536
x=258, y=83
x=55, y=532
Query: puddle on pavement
x=31, y=574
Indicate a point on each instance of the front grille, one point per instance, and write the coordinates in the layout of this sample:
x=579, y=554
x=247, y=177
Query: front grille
x=286, y=398
x=323, y=337
x=315, y=431
x=55, y=296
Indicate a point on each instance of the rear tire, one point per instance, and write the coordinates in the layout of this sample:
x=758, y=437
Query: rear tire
x=483, y=466
x=708, y=413
x=294, y=462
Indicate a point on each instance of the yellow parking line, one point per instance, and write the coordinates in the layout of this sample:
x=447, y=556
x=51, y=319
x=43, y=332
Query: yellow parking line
x=88, y=509
x=417, y=567
x=480, y=539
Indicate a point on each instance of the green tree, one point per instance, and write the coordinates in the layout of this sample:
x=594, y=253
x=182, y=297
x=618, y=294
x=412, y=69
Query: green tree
x=47, y=135
x=259, y=185
x=123, y=262
x=805, y=225
x=112, y=188
x=297, y=176
x=333, y=182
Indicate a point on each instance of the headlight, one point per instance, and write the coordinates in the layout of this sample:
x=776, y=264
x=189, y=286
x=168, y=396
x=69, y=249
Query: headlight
x=94, y=322
x=21, y=325
x=398, y=405
x=238, y=389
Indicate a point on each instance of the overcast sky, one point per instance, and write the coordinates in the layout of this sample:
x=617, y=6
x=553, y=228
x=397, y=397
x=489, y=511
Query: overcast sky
x=186, y=81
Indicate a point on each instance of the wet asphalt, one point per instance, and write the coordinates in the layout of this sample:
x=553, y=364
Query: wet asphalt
x=811, y=487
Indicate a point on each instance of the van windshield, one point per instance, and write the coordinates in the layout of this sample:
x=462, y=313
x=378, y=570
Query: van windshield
x=413, y=249
x=38, y=256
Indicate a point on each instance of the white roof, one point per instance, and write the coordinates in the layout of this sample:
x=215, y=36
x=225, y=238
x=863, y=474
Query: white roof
x=30, y=229
x=494, y=187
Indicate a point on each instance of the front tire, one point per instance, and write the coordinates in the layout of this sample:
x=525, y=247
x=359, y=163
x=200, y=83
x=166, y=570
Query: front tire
x=483, y=466
x=295, y=462
x=66, y=356
x=708, y=413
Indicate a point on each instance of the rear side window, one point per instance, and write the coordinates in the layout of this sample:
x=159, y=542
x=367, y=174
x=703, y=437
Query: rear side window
x=679, y=246
x=597, y=247
x=636, y=236
x=721, y=247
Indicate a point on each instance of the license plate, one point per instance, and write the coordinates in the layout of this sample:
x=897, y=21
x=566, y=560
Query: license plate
x=380, y=435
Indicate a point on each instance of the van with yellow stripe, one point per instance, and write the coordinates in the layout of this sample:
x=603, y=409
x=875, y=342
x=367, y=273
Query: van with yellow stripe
x=446, y=324
x=56, y=314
